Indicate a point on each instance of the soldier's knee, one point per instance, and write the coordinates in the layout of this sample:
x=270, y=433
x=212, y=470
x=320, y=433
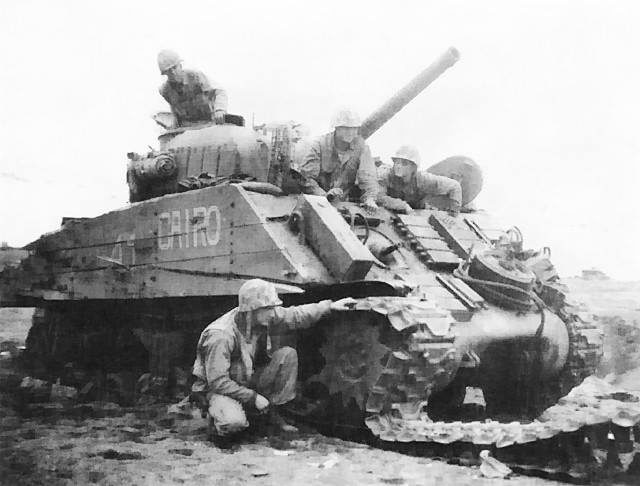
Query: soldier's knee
x=227, y=414
x=286, y=354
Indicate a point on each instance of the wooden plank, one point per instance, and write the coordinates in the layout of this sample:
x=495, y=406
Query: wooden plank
x=464, y=288
x=447, y=258
x=423, y=232
x=332, y=239
x=439, y=291
x=182, y=156
x=209, y=159
x=411, y=220
x=451, y=287
x=444, y=228
x=463, y=234
x=433, y=244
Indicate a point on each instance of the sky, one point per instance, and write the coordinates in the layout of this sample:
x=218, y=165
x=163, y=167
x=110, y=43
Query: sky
x=545, y=98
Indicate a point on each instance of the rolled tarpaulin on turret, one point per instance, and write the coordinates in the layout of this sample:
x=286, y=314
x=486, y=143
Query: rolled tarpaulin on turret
x=159, y=166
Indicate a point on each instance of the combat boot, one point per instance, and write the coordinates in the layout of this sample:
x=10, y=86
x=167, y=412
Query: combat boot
x=225, y=443
x=278, y=424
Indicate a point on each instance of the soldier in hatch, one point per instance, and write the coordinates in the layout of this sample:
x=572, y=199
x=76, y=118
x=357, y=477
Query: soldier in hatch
x=192, y=97
x=340, y=160
x=240, y=364
x=405, y=187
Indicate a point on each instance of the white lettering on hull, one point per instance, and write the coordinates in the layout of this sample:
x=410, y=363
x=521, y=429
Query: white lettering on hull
x=198, y=227
x=119, y=253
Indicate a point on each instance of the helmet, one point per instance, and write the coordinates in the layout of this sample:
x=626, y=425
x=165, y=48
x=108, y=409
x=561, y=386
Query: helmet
x=167, y=59
x=408, y=152
x=345, y=117
x=256, y=294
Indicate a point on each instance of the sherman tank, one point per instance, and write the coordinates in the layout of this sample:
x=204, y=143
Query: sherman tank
x=459, y=335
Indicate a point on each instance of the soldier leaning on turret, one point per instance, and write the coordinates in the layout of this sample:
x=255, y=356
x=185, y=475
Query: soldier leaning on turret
x=405, y=187
x=340, y=160
x=193, y=98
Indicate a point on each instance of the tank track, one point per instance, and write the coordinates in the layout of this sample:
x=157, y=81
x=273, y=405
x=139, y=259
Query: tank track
x=585, y=342
x=395, y=408
x=393, y=353
x=400, y=367
x=423, y=362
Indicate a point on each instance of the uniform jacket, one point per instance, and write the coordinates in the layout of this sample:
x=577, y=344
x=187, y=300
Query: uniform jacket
x=325, y=168
x=225, y=357
x=421, y=184
x=194, y=98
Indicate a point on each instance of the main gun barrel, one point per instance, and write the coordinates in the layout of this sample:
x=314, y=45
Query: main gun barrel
x=412, y=89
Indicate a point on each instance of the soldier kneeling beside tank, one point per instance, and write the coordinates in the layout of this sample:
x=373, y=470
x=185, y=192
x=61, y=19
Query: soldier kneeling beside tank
x=240, y=368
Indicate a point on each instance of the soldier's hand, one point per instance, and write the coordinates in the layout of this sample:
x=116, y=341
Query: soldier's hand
x=404, y=208
x=370, y=204
x=261, y=403
x=218, y=117
x=335, y=193
x=343, y=304
x=454, y=210
x=199, y=399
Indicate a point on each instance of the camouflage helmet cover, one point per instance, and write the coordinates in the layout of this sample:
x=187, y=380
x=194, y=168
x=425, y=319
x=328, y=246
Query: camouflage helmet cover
x=408, y=152
x=256, y=294
x=345, y=117
x=167, y=59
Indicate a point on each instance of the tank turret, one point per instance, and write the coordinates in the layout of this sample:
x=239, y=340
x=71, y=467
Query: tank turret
x=263, y=153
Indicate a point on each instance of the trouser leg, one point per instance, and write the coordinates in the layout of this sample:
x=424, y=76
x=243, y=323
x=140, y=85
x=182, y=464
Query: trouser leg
x=227, y=415
x=277, y=381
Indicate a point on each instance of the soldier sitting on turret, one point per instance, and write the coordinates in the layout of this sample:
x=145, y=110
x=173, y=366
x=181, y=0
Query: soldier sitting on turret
x=339, y=159
x=404, y=187
x=193, y=98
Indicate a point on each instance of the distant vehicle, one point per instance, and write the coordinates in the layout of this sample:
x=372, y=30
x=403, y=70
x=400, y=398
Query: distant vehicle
x=594, y=274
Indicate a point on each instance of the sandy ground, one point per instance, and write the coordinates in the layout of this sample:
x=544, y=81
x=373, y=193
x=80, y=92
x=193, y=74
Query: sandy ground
x=146, y=446
x=86, y=451
x=608, y=297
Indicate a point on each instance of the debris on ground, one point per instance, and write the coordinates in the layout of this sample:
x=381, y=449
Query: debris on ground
x=120, y=456
x=34, y=390
x=491, y=467
x=182, y=452
x=283, y=452
x=329, y=463
x=61, y=393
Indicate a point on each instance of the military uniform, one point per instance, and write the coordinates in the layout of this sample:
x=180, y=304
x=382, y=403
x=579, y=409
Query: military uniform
x=421, y=185
x=193, y=98
x=225, y=360
x=325, y=167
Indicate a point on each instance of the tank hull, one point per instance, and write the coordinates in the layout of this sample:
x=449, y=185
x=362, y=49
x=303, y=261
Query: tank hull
x=129, y=292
